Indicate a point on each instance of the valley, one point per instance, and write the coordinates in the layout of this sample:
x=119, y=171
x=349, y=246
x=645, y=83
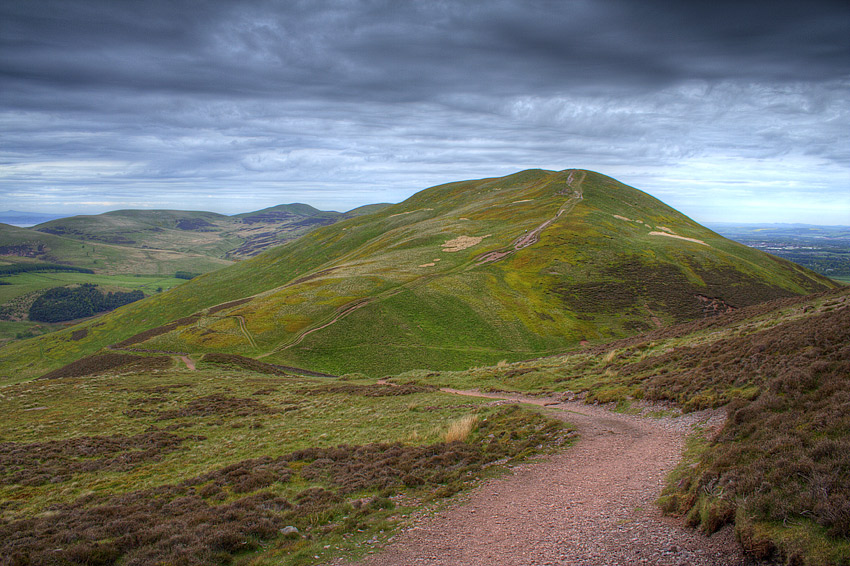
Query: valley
x=824, y=249
x=150, y=250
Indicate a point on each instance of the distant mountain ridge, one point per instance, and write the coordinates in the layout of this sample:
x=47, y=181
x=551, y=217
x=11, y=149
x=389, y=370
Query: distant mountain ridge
x=26, y=219
x=217, y=237
x=209, y=233
x=458, y=275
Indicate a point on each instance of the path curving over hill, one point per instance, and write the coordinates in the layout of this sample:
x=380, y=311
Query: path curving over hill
x=592, y=504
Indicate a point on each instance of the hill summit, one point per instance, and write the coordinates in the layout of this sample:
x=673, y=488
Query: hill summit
x=462, y=274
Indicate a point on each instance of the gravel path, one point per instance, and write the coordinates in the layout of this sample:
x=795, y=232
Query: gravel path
x=590, y=505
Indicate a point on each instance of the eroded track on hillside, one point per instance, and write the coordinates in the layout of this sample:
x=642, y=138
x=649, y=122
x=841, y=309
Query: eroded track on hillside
x=592, y=504
x=532, y=237
x=575, y=195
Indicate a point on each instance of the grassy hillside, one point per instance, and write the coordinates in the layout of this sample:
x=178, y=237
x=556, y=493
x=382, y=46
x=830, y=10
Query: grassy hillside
x=779, y=468
x=21, y=291
x=95, y=454
x=140, y=243
x=114, y=267
x=26, y=244
x=458, y=275
x=205, y=233
x=150, y=462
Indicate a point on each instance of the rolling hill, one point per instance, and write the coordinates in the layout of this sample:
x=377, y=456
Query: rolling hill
x=30, y=246
x=205, y=233
x=458, y=275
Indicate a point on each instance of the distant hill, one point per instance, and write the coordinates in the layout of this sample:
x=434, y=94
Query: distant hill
x=28, y=245
x=459, y=275
x=150, y=243
x=206, y=233
x=196, y=233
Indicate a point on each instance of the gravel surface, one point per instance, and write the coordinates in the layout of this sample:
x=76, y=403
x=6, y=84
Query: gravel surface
x=590, y=505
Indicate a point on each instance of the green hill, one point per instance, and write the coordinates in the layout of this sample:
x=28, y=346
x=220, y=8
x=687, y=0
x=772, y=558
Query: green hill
x=459, y=275
x=28, y=245
x=206, y=233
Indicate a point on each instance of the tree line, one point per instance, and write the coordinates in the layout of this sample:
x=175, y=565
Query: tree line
x=68, y=303
x=30, y=267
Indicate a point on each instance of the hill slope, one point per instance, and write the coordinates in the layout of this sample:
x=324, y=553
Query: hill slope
x=28, y=245
x=458, y=275
x=208, y=233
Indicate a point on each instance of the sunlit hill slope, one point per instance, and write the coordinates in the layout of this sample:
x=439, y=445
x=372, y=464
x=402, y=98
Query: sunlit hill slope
x=462, y=274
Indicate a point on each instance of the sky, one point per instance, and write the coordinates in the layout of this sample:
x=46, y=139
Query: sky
x=732, y=111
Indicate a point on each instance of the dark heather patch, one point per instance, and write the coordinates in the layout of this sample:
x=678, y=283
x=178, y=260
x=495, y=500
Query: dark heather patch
x=57, y=461
x=102, y=363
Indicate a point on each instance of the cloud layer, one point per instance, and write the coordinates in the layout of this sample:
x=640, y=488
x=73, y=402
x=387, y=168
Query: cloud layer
x=727, y=111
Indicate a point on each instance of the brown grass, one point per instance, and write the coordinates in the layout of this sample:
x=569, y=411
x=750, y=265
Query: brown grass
x=209, y=405
x=460, y=429
x=241, y=362
x=783, y=458
x=159, y=330
x=377, y=390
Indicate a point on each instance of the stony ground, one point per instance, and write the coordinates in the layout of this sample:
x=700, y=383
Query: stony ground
x=592, y=505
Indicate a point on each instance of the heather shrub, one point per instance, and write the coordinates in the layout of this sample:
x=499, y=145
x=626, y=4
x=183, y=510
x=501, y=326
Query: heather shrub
x=783, y=458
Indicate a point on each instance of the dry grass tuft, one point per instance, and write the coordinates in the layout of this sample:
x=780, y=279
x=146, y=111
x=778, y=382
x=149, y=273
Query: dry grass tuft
x=461, y=428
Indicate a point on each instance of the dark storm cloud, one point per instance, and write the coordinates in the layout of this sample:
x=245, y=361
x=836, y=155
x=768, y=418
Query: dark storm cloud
x=412, y=51
x=343, y=97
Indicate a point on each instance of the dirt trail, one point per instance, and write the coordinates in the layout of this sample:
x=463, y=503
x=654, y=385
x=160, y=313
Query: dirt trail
x=590, y=505
x=190, y=364
x=243, y=326
x=532, y=237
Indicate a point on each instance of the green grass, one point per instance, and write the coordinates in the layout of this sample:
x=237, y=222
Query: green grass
x=13, y=297
x=198, y=233
x=595, y=274
x=29, y=282
x=224, y=431
x=103, y=258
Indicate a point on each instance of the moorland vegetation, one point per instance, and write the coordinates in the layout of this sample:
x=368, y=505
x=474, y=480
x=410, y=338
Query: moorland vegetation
x=779, y=469
x=148, y=463
x=187, y=410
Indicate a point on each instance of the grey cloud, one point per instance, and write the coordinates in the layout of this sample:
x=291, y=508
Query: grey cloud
x=410, y=51
x=339, y=98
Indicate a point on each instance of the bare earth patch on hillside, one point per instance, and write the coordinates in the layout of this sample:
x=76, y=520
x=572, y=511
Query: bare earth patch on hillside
x=592, y=504
x=463, y=242
x=678, y=237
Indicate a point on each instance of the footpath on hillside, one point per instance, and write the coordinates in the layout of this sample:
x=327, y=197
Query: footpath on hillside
x=591, y=505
